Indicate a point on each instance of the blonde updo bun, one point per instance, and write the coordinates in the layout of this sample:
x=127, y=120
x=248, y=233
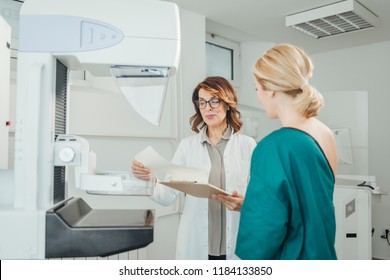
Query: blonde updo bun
x=288, y=69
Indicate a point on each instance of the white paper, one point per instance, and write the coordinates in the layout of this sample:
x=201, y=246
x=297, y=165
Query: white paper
x=151, y=159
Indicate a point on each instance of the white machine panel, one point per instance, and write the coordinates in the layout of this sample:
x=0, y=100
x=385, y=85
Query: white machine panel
x=5, y=58
x=353, y=222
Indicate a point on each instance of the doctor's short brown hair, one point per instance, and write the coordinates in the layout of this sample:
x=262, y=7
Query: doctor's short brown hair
x=224, y=90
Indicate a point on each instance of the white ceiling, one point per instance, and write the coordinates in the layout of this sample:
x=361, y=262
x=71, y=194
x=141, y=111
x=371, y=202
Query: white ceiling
x=265, y=20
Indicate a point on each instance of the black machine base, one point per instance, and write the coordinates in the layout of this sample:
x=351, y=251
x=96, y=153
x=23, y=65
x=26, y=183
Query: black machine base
x=74, y=229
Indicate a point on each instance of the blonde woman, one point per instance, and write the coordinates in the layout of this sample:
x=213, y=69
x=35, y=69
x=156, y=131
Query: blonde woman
x=288, y=211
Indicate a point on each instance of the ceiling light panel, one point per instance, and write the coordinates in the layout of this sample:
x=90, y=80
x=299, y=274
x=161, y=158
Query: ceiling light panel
x=334, y=19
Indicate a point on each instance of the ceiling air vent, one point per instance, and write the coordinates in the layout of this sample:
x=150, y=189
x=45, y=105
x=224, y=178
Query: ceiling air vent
x=334, y=19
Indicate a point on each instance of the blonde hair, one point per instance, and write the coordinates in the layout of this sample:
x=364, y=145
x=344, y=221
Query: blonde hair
x=287, y=68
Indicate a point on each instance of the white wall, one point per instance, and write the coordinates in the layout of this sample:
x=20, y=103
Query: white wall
x=192, y=64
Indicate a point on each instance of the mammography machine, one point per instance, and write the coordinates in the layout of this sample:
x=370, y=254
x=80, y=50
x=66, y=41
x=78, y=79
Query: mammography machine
x=135, y=41
x=5, y=53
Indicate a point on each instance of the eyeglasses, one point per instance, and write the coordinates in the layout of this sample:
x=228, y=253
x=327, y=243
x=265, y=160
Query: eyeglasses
x=213, y=102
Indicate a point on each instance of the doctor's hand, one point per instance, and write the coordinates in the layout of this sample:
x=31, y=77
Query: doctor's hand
x=141, y=172
x=232, y=202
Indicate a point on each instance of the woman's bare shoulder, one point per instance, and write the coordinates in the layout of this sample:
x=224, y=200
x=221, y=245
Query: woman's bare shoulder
x=327, y=141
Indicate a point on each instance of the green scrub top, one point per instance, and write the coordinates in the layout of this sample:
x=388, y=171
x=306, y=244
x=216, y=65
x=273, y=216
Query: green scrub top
x=288, y=211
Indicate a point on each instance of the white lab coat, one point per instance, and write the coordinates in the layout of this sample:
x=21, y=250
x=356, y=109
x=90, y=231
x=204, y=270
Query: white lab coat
x=192, y=239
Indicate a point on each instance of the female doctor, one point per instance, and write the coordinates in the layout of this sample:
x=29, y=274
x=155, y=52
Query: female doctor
x=208, y=227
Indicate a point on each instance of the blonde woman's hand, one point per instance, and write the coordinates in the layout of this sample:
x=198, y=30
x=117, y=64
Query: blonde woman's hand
x=232, y=202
